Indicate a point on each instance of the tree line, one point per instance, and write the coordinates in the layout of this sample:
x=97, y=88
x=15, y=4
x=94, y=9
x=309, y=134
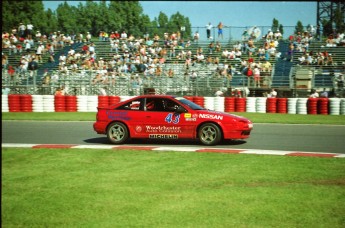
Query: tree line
x=109, y=16
x=91, y=16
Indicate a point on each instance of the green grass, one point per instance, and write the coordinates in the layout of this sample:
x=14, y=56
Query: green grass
x=113, y=188
x=255, y=117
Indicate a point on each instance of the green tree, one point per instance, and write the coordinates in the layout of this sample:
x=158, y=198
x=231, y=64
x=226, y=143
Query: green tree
x=177, y=21
x=339, y=19
x=15, y=12
x=275, y=25
x=67, y=22
x=281, y=29
x=299, y=27
x=163, y=20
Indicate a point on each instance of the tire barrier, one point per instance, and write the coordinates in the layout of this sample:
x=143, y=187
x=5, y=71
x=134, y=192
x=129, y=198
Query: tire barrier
x=37, y=103
x=312, y=106
x=92, y=102
x=71, y=103
x=271, y=106
x=240, y=104
x=103, y=101
x=199, y=101
x=282, y=105
x=59, y=103
x=188, y=98
x=82, y=103
x=219, y=104
x=323, y=106
x=334, y=106
x=123, y=98
x=48, y=103
x=261, y=104
x=14, y=103
x=302, y=106
x=251, y=104
x=292, y=105
x=229, y=105
x=25, y=103
x=4, y=103
x=113, y=100
x=342, y=106
x=208, y=103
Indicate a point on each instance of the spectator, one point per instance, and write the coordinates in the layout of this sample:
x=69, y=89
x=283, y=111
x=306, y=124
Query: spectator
x=88, y=37
x=219, y=93
x=196, y=36
x=29, y=28
x=329, y=60
x=59, y=92
x=124, y=36
x=208, y=30
x=314, y=94
x=220, y=30
x=272, y=94
x=256, y=73
x=324, y=93
x=21, y=30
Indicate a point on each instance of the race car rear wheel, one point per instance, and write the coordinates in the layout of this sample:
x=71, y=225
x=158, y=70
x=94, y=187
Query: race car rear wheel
x=117, y=133
x=209, y=134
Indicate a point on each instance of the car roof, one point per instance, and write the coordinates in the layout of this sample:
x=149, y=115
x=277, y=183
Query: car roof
x=155, y=95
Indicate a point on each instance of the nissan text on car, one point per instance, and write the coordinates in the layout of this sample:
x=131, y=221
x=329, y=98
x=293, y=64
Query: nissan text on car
x=168, y=117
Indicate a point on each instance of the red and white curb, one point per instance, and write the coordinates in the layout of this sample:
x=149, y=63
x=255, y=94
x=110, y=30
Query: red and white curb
x=180, y=149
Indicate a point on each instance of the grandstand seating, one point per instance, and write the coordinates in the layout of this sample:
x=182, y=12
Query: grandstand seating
x=280, y=77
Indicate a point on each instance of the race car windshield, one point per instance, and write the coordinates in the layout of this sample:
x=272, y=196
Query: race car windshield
x=189, y=103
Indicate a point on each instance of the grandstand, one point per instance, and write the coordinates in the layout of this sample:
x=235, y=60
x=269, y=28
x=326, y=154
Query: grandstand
x=289, y=77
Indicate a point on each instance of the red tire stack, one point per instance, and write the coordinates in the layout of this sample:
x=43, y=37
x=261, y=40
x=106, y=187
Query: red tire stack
x=25, y=103
x=71, y=103
x=113, y=100
x=323, y=106
x=14, y=103
x=199, y=101
x=103, y=101
x=229, y=105
x=188, y=98
x=240, y=104
x=271, y=105
x=312, y=106
x=59, y=103
x=281, y=105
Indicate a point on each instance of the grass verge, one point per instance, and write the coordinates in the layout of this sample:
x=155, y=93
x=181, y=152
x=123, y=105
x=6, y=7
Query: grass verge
x=107, y=188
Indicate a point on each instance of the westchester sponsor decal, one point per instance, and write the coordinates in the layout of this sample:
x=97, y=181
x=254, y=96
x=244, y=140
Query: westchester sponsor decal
x=162, y=129
x=210, y=116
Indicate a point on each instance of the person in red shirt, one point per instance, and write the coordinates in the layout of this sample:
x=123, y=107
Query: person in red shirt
x=117, y=35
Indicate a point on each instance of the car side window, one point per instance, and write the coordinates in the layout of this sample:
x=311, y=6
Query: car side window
x=170, y=106
x=135, y=105
x=155, y=105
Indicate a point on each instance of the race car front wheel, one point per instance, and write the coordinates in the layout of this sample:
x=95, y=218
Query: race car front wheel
x=117, y=133
x=209, y=134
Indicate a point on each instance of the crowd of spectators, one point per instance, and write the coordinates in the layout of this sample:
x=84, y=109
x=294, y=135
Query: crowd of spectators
x=145, y=57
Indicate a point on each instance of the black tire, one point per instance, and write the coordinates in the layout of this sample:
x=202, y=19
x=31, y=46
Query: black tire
x=209, y=134
x=117, y=133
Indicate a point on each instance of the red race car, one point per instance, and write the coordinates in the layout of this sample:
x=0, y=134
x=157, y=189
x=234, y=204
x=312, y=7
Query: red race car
x=168, y=117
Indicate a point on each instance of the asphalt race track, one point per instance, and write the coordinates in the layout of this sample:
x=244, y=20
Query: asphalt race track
x=304, y=138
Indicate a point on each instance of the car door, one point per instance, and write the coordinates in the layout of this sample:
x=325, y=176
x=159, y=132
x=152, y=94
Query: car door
x=162, y=121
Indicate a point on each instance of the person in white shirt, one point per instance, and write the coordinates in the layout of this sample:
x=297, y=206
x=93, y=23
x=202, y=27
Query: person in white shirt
x=208, y=30
x=272, y=94
x=314, y=94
